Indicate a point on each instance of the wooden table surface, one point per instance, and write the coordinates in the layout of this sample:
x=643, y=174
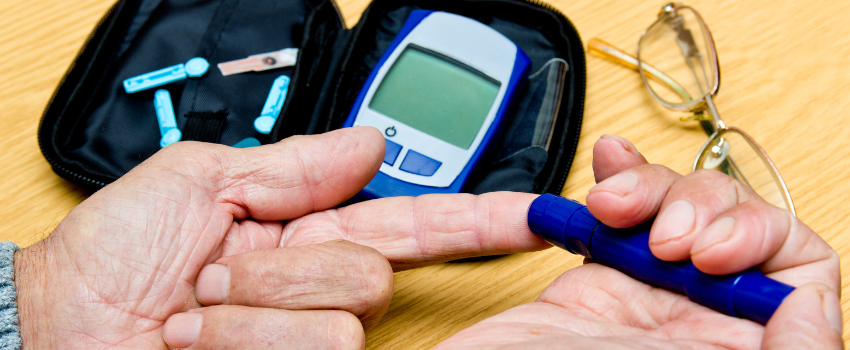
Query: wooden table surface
x=786, y=80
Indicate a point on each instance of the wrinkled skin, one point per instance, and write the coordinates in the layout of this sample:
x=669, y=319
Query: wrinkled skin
x=131, y=257
x=726, y=229
x=205, y=246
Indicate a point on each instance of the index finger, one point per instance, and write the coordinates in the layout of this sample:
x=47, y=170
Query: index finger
x=755, y=233
x=412, y=232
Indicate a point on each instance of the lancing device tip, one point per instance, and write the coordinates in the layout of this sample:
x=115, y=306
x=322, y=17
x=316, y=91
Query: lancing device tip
x=194, y=68
x=166, y=119
x=274, y=103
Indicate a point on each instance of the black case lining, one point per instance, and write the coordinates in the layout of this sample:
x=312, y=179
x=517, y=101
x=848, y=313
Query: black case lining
x=93, y=132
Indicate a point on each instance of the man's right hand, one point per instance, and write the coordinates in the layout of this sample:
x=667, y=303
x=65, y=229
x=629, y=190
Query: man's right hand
x=708, y=217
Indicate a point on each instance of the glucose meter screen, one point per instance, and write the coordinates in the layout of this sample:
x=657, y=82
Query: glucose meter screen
x=436, y=95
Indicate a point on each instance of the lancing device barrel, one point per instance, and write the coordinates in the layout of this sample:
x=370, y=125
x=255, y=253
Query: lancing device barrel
x=569, y=225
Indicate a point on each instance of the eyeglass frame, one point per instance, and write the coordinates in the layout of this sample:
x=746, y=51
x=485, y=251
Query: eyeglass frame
x=713, y=125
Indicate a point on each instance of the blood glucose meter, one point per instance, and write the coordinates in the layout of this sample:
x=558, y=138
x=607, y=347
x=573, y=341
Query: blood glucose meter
x=439, y=94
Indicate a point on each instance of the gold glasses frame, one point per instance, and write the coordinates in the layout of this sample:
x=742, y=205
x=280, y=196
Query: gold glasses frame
x=703, y=107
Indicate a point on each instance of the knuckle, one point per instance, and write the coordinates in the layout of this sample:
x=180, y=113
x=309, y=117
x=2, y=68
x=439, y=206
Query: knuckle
x=375, y=276
x=187, y=158
x=715, y=187
x=180, y=150
x=659, y=170
x=712, y=177
x=769, y=214
x=347, y=332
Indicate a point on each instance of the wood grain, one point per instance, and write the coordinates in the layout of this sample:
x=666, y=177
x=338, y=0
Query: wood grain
x=786, y=77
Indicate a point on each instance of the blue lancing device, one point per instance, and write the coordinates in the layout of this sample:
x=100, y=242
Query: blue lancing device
x=274, y=103
x=439, y=95
x=194, y=68
x=569, y=225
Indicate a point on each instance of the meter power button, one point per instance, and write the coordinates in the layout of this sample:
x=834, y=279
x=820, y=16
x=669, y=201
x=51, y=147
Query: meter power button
x=390, y=132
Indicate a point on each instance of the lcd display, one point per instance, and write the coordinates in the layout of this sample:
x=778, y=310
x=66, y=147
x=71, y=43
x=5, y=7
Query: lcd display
x=436, y=95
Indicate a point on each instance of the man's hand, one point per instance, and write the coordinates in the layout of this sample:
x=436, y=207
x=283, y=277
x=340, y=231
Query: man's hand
x=708, y=217
x=191, y=250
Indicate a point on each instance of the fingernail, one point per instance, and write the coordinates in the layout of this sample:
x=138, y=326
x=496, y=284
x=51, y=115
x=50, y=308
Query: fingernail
x=628, y=146
x=213, y=284
x=621, y=184
x=718, y=232
x=832, y=310
x=182, y=330
x=677, y=220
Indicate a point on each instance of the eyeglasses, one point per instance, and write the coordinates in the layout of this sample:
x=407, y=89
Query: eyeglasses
x=677, y=61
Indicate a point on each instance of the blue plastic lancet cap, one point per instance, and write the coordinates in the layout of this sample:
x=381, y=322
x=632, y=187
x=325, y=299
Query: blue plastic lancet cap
x=165, y=118
x=172, y=136
x=197, y=67
x=248, y=142
x=273, y=106
x=264, y=124
x=156, y=78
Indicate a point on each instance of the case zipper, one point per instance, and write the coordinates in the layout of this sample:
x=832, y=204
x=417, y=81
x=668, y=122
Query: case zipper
x=58, y=168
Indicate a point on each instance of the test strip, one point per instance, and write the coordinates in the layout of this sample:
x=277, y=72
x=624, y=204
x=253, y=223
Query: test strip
x=260, y=62
x=155, y=78
x=274, y=103
x=166, y=119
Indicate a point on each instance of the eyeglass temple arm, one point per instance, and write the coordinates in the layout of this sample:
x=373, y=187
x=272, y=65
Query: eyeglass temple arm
x=602, y=49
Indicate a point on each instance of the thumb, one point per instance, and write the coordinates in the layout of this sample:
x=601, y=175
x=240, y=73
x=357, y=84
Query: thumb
x=613, y=154
x=809, y=318
x=281, y=181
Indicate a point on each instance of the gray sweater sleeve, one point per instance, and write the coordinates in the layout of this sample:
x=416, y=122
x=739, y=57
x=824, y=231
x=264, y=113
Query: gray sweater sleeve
x=10, y=336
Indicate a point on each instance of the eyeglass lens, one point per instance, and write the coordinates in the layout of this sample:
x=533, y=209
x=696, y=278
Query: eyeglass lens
x=677, y=45
x=735, y=154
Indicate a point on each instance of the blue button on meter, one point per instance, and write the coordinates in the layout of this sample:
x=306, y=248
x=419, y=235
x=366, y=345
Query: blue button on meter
x=393, y=150
x=440, y=92
x=419, y=164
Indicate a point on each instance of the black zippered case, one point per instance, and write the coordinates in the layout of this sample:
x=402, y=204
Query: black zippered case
x=93, y=132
